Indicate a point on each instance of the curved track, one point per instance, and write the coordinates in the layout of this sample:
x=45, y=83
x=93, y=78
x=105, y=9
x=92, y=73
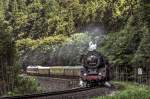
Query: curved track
x=56, y=95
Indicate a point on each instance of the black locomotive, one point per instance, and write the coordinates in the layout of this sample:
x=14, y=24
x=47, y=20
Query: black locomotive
x=95, y=69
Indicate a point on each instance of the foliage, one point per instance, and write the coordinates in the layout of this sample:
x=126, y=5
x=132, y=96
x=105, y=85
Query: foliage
x=61, y=53
x=8, y=57
x=25, y=85
x=37, y=18
x=70, y=51
x=40, y=20
x=129, y=46
x=142, y=55
x=33, y=44
x=36, y=52
x=130, y=91
x=120, y=47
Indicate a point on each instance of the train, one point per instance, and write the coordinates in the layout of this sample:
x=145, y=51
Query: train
x=55, y=71
x=95, y=71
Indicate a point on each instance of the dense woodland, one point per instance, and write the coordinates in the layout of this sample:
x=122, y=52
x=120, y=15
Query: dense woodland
x=40, y=26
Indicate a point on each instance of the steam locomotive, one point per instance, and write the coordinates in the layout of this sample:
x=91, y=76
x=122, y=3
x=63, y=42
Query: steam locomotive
x=96, y=70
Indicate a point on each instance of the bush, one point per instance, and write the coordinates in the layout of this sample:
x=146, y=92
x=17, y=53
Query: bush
x=32, y=44
x=25, y=85
x=130, y=91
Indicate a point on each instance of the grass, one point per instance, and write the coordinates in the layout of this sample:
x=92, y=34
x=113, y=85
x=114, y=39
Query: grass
x=129, y=91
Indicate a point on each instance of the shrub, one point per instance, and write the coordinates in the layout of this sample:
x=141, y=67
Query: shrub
x=25, y=85
x=130, y=91
x=32, y=44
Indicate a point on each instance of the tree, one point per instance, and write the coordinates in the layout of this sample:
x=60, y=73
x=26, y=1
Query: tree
x=7, y=57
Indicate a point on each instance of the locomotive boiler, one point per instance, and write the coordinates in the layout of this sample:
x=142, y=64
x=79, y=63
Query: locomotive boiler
x=95, y=69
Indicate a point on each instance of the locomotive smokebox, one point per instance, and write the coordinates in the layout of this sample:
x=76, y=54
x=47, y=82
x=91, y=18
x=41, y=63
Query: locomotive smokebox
x=92, y=59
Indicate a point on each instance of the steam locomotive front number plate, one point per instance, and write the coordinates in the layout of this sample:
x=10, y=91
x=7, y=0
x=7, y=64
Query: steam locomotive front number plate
x=92, y=71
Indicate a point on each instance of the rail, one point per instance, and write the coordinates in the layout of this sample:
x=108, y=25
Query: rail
x=49, y=93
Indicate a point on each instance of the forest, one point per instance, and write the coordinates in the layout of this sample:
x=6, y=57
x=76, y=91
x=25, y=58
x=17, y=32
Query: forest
x=51, y=32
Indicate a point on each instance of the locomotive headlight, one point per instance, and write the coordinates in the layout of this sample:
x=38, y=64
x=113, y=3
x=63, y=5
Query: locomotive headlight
x=84, y=74
x=99, y=74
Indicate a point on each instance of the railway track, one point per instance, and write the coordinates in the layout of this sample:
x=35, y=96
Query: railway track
x=50, y=95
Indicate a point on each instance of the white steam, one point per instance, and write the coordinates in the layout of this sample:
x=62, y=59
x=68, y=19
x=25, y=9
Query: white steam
x=92, y=46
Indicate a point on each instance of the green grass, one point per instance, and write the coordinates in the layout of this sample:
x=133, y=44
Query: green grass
x=129, y=91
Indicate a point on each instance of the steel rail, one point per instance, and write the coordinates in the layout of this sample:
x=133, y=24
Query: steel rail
x=49, y=93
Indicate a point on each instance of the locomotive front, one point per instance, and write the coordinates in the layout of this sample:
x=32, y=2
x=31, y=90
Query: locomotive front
x=95, y=69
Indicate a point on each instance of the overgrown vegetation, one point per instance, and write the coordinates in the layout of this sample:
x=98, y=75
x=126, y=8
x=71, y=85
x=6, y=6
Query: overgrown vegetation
x=25, y=85
x=42, y=18
x=8, y=57
x=54, y=50
x=129, y=91
x=130, y=46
